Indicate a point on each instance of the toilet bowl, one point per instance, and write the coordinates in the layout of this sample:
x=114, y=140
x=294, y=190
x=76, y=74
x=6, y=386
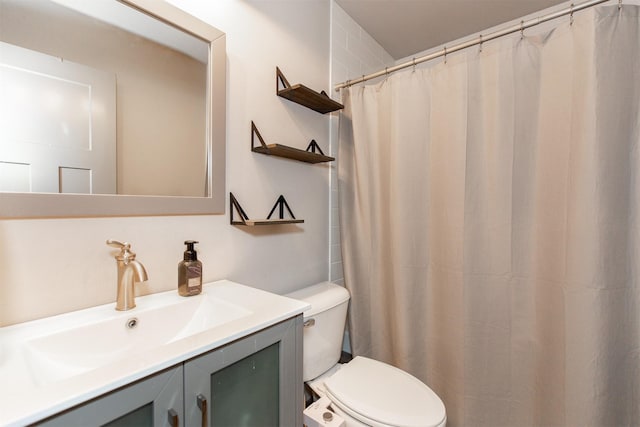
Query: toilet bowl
x=364, y=392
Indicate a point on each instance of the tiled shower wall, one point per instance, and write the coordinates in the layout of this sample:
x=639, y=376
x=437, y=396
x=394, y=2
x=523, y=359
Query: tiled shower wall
x=353, y=53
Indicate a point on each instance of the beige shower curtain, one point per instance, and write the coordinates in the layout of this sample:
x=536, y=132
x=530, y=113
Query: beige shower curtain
x=490, y=220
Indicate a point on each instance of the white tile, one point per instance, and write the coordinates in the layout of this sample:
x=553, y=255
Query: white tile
x=343, y=56
x=343, y=18
x=339, y=71
x=336, y=272
x=334, y=216
x=336, y=253
x=333, y=176
x=338, y=35
x=387, y=59
x=335, y=234
x=371, y=45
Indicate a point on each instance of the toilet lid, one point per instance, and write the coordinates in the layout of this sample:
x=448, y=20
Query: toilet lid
x=380, y=394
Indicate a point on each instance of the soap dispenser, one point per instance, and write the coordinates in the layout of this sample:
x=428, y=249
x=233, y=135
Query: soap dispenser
x=190, y=272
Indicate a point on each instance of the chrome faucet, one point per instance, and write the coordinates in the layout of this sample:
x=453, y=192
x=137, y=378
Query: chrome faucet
x=130, y=271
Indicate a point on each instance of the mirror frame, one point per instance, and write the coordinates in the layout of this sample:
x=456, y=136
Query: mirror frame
x=43, y=205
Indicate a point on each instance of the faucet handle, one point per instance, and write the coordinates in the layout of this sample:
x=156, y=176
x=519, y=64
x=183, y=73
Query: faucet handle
x=117, y=244
x=125, y=254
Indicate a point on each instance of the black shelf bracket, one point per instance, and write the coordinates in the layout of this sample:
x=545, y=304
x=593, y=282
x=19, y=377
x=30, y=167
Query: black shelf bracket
x=281, y=204
x=255, y=133
x=235, y=206
x=313, y=146
x=281, y=81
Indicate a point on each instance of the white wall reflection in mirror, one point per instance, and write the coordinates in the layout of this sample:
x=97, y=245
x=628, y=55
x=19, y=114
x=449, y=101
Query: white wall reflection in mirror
x=110, y=97
x=122, y=105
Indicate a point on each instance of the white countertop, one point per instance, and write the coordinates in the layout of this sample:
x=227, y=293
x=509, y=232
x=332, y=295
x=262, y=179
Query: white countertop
x=24, y=400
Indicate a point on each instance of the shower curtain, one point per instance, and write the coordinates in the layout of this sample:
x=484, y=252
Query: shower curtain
x=490, y=224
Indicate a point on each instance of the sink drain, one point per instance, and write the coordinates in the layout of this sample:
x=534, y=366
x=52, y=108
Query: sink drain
x=132, y=323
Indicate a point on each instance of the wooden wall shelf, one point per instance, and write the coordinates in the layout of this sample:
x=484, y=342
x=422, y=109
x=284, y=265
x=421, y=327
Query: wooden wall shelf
x=300, y=94
x=313, y=154
x=281, y=204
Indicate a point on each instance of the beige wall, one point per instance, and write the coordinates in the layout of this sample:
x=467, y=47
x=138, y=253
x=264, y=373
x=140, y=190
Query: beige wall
x=160, y=94
x=50, y=266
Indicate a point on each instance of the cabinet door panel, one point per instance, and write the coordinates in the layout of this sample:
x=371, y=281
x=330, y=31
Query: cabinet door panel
x=255, y=381
x=143, y=403
x=246, y=393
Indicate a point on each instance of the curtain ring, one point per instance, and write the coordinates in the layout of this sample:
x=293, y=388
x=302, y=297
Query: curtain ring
x=521, y=30
x=445, y=54
x=571, y=14
x=480, y=44
x=414, y=63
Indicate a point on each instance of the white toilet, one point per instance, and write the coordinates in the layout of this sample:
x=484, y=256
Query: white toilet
x=364, y=392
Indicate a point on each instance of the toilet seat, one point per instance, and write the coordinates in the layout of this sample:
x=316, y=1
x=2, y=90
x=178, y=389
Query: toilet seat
x=381, y=395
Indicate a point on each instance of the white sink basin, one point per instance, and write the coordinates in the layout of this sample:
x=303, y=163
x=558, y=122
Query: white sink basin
x=55, y=363
x=87, y=346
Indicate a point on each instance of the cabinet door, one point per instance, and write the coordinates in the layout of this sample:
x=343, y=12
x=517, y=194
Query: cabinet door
x=150, y=402
x=253, y=382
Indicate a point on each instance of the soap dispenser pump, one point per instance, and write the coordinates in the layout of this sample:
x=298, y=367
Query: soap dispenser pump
x=190, y=272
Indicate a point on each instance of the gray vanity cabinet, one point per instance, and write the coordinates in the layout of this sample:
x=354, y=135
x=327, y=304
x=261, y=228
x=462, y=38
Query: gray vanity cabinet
x=144, y=403
x=253, y=381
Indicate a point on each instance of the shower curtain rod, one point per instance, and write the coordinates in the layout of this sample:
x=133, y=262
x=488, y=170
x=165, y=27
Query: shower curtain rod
x=481, y=39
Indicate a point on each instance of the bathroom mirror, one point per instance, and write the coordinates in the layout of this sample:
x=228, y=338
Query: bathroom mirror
x=148, y=125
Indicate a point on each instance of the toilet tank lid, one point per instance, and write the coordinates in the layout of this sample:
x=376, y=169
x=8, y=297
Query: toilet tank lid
x=322, y=296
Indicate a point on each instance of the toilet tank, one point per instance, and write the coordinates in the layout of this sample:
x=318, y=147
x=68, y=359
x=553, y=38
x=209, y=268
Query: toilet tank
x=324, y=326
